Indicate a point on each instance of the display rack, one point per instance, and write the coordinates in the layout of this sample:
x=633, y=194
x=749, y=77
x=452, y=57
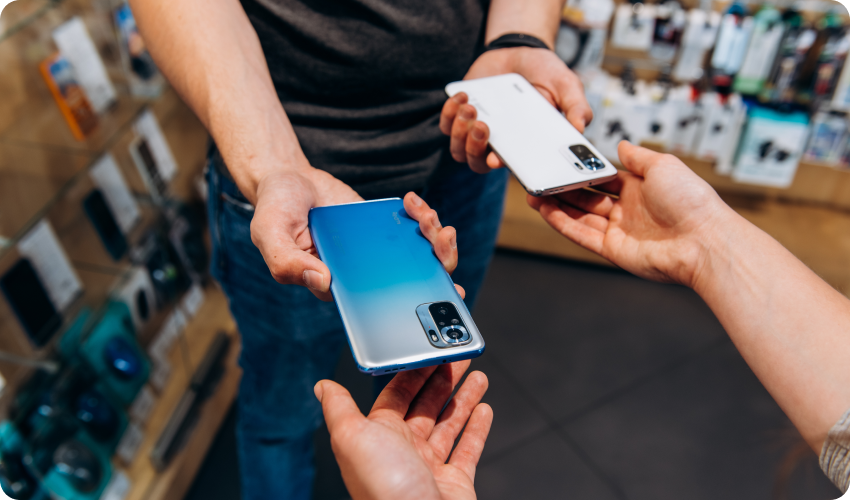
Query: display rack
x=44, y=176
x=811, y=217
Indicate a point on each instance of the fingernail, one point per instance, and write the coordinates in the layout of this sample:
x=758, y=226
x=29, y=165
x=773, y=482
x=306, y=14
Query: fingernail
x=477, y=134
x=460, y=98
x=314, y=280
x=453, y=242
x=318, y=390
x=466, y=113
x=416, y=200
x=435, y=221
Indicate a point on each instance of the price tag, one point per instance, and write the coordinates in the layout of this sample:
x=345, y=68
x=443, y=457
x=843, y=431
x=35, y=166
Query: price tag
x=118, y=487
x=76, y=45
x=193, y=300
x=141, y=408
x=160, y=374
x=130, y=442
x=109, y=180
x=147, y=127
x=60, y=280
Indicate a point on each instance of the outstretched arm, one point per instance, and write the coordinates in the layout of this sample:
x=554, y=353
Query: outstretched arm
x=667, y=224
x=210, y=53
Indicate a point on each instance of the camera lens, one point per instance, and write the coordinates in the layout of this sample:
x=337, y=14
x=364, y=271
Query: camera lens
x=454, y=321
x=442, y=310
x=454, y=334
x=593, y=164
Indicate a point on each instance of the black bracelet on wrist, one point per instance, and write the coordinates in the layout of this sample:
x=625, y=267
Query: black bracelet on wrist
x=516, y=40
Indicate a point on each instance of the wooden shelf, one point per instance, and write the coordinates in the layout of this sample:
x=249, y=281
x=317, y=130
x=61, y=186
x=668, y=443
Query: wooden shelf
x=814, y=183
x=817, y=235
x=175, y=480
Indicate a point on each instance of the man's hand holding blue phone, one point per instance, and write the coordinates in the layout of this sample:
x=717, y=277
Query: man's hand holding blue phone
x=399, y=306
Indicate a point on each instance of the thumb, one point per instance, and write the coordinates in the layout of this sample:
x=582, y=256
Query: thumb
x=636, y=159
x=337, y=404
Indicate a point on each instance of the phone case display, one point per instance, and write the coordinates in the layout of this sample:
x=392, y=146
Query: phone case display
x=103, y=220
x=670, y=21
x=793, y=49
x=77, y=47
x=585, y=22
x=69, y=95
x=771, y=148
x=764, y=43
x=826, y=59
x=634, y=27
x=718, y=140
x=698, y=38
x=145, y=79
x=29, y=300
x=829, y=131
x=152, y=156
x=732, y=41
x=41, y=285
x=123, y=207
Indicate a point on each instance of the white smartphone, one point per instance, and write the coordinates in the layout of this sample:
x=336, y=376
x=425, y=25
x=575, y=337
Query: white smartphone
x=535, y=140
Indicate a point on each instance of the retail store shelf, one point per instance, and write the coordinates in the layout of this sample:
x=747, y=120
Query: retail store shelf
x=175, y=480
x=814, y=183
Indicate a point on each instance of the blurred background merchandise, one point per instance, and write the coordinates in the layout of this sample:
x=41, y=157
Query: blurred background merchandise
x=118, y=355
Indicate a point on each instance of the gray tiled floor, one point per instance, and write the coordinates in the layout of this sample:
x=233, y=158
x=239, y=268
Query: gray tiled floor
x=603, y=386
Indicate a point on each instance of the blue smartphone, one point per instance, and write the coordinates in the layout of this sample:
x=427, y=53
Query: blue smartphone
x=398, y=304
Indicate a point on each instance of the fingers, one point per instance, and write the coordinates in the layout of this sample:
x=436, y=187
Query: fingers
x=399, y=393
x=572, y=102
x=289, y=263
x=443, y=239
x=477, y=148
x=588, y=201
x=494, y=162
x=337, y=404
x=638, y=160
x=587, y=232
x=469, y=137
x=463, y=122
x=433, y=396
x=471, y=445
x=457, y=412
x=460, y=291
x=450, y=108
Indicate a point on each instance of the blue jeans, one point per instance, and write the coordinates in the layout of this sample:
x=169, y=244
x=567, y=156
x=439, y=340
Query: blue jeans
x=291, y=340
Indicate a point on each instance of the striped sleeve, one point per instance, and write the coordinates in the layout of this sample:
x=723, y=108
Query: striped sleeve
x=835, y=454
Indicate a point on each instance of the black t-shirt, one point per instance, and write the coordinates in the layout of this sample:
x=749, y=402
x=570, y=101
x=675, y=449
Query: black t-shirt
x=362, y=81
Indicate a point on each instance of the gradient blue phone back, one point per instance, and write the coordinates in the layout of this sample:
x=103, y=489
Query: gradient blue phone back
x=382, y=269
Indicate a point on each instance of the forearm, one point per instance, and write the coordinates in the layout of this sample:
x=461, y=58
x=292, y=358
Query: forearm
x=210, y=53
x=539, y=18
x=791, y=327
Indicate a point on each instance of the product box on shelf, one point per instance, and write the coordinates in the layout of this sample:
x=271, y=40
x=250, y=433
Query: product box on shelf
x=69, y=95
x=771, y=148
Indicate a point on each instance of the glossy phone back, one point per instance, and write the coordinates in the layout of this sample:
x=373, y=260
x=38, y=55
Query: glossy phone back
x=382, y=270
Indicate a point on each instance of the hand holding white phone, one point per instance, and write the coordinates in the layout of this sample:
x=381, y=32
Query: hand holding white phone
x=535, y=140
